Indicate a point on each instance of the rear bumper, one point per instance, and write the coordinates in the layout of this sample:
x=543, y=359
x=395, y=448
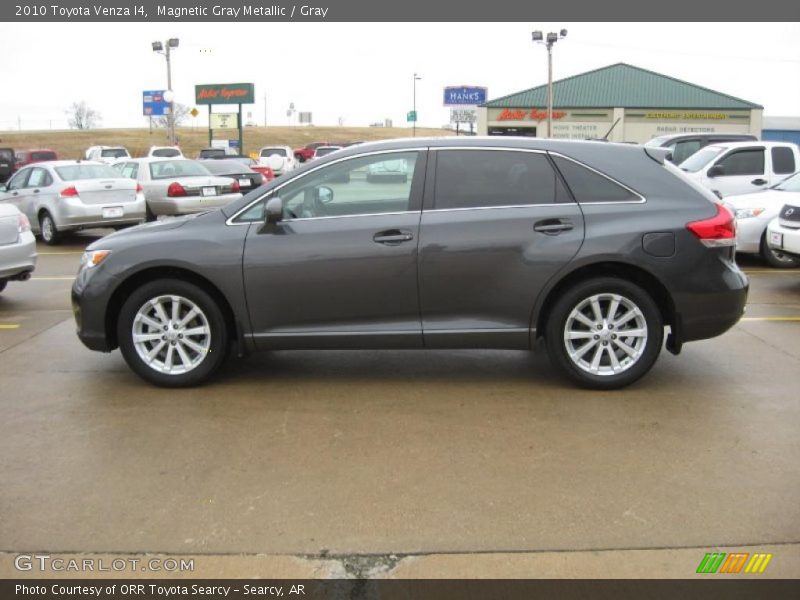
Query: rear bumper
x=19, y=257
x=187, y=205
x=72, y=214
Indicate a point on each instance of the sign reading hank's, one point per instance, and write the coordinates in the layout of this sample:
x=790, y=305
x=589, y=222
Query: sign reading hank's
x=464, y=95
x=225, y=93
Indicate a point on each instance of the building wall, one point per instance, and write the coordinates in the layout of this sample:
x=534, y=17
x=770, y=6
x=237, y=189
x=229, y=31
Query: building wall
x=632, y=125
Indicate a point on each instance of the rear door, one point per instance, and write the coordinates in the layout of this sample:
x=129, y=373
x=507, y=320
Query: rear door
x=497, y=225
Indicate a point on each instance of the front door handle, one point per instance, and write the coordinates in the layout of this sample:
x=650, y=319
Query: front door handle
x=759, y=181
x=392, y=237
x=552, y=226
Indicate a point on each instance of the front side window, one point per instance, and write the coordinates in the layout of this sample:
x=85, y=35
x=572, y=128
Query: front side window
x=743, y=162
x=18, y=180
x=493, y=178
x=368, y=185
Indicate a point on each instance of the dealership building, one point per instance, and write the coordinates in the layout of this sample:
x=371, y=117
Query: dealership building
x=634, y=104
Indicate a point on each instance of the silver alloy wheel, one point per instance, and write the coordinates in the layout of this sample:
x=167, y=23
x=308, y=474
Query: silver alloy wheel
x=171, y=334
x=47, y=228
x=605, y=334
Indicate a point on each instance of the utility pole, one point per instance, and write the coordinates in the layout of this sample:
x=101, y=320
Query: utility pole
x=551, y=39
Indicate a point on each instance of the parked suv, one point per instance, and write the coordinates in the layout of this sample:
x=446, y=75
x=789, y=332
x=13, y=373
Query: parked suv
x=682, y=145
x=742, y=167
x=489, y=243
x=107, y=154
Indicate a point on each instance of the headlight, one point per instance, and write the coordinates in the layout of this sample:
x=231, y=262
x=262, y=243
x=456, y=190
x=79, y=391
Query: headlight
x=92, y=258
x=748, y=213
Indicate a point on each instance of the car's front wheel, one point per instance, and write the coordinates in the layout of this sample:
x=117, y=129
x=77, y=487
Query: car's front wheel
x=172, y=333
x=604, y=333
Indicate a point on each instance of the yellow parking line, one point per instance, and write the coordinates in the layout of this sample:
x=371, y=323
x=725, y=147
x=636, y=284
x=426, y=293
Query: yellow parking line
x=52, y=278
x=770, y=319
x=9, y=326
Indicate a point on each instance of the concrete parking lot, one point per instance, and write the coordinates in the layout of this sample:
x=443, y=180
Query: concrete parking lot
x=405, y=463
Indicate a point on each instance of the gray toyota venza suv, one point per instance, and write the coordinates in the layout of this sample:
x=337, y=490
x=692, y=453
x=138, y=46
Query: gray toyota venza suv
x=488, y=243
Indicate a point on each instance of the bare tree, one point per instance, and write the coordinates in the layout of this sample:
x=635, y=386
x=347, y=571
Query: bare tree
x=81, y=116
x=181, y=114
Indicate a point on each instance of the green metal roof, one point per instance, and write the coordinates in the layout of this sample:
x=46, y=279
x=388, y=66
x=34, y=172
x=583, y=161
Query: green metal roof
x=624, y=86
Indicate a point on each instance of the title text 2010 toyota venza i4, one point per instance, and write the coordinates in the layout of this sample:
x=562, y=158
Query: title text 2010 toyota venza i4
x=488, y=243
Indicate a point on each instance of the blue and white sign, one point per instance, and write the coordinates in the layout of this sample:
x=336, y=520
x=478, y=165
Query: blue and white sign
x=464, y=95
x=153, y=103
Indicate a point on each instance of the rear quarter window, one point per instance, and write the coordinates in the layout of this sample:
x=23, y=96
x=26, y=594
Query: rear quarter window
x=587, y=185
x=783, y=161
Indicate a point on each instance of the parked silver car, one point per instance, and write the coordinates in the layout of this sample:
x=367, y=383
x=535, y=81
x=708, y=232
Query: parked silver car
x=68, y=195
x=178, y=186
x=17, y=246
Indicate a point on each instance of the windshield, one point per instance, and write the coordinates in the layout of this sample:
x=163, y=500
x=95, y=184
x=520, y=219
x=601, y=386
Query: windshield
x=78, y=172
x=790, y=184
x=164, y=169
x=114, y=153
x=272, y=151
x=700, y=159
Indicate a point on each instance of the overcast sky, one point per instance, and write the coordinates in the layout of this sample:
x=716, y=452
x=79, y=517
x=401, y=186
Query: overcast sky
x=363, y=72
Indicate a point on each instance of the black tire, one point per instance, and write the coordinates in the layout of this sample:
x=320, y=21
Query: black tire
x=774, y=258
x=3, y=284
x=149, y=215
x=48, y=230
x=218, y=346
x=648, y=317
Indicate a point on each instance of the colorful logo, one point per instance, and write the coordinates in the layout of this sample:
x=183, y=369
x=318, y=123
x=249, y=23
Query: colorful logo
x=720, y=562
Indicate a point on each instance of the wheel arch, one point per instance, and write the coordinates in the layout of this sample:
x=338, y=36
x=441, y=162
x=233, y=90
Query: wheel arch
x=147, y=275
x=641, y=277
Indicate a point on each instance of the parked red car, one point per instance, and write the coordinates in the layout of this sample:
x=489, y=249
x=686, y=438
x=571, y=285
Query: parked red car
x=26, y=157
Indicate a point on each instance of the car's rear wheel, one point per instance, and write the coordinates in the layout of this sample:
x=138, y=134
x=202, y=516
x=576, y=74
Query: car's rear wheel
x=775, y=258
x=172, y=333
x=48, y=230
x=604, y=333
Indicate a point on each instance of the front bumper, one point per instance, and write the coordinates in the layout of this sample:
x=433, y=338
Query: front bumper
x=19, y=257
x=89, y=305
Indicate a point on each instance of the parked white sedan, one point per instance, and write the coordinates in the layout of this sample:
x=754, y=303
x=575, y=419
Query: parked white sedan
x=755, y=211
x=178, y=186
x=67, y=195
x=17, y=246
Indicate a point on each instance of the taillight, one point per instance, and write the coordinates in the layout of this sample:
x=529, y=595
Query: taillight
x=69, y=192
x=139, y=188
x=717, y=231
x=235, y=187
x=24, y=224
x=175, y=189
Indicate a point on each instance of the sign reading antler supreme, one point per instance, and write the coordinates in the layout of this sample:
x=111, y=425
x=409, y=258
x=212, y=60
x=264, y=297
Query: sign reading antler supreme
x=225, y=93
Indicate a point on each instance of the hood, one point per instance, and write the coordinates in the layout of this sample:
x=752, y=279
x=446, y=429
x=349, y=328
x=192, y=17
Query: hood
x=130, y=234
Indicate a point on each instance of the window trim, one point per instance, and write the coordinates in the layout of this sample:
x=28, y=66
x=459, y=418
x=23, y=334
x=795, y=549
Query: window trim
x=231, y=220
x=641, y=199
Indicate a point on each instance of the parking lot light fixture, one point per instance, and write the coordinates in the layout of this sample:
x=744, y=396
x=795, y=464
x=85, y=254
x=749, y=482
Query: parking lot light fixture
x=551, y=38
x=165, y=48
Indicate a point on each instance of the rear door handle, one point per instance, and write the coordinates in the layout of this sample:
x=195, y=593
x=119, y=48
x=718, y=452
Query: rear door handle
x=552, y=226
x=758, y=181
x=392, y=237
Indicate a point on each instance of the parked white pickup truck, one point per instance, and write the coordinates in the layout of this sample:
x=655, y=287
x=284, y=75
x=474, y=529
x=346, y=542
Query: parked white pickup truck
x=742, y=167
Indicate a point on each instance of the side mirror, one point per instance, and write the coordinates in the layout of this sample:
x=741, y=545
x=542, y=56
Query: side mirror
x=273, y=211
x=716, y=171
x=323, y=194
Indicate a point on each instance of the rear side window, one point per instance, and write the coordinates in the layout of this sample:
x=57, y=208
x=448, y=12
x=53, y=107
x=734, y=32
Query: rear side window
x=743, y=162
x=588, y=186
x=491, y=178
x=783, y=161
x=39, y=178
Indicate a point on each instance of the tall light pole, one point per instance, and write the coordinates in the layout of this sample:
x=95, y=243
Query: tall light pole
x=551, y=39
x=169, y=95
x=414, y=122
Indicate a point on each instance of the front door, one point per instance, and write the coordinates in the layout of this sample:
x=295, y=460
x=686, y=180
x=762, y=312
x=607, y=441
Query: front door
x=340, y=269
x=743, y=171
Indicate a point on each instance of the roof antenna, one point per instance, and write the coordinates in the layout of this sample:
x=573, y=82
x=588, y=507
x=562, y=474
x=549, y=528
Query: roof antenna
x=605, y=137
